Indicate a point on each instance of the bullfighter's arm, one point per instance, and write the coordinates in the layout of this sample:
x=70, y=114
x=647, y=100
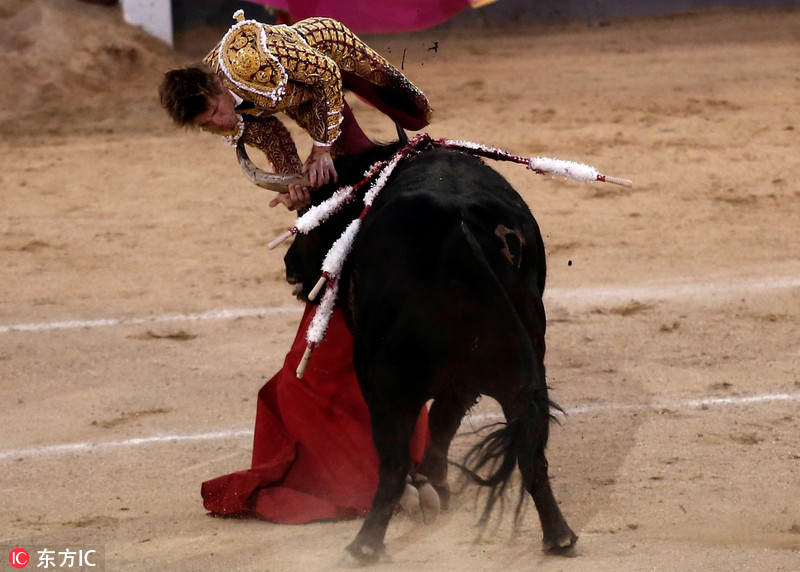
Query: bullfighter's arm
x=272, y=137
x=322, y=116
x=276, y=69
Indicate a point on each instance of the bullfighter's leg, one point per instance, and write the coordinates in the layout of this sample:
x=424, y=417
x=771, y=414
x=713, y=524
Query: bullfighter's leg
x=367, y=73
x=392, y=428
x=557, y=537
x=444, y=419
x=353, y=140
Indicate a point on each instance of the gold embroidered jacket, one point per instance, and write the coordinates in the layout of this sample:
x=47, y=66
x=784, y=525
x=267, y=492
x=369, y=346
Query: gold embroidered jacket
x=299, y=70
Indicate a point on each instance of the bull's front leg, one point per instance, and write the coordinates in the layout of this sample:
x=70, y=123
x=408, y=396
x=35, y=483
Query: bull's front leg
x=369, y=543
x=391, y=432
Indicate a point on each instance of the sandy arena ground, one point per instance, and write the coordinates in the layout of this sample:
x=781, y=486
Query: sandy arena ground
x=140, y=309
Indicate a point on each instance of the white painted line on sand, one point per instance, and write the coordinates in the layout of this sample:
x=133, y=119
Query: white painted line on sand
x=596, y=295
x=677, y=405
x=231, y=314
x=94, y=447
x=718, y=290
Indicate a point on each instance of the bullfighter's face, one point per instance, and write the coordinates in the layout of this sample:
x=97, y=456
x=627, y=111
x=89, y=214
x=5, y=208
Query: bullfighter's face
x=220, y=115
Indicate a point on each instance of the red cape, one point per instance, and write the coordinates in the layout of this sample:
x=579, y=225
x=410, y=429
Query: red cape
x=313, y=455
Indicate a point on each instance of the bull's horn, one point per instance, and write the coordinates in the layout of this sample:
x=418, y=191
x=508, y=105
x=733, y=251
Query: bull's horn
x=272, y=181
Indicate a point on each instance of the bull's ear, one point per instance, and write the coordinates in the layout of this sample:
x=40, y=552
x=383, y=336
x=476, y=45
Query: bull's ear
x=402, y=136
x=272, y=181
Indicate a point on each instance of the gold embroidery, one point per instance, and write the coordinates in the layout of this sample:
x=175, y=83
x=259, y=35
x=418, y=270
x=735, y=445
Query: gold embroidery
x=241, y=55
x=298, y=70
x=272, y=137
x=247, y=62
x=264, y=76
x=239, y=42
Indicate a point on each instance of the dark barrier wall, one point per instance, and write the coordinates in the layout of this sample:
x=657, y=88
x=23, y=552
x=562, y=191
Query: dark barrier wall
x=191, y=14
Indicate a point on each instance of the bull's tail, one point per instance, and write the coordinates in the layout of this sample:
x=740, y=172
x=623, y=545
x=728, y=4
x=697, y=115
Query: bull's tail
x=499, y=452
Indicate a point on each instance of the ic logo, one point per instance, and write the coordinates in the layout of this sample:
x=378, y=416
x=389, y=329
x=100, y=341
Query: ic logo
x=19, y=558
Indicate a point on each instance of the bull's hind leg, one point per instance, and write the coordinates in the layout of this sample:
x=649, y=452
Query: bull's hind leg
x=391, y=430
x=557, y=537
x=444, y=419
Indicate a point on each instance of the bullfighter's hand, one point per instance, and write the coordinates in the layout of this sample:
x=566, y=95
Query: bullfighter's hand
x=296, y=199
x=320, y=166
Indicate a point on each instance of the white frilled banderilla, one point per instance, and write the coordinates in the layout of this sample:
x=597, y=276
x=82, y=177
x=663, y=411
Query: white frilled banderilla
x=377, y=175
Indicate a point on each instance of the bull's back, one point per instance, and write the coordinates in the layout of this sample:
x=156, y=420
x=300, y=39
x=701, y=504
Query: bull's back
x=428, y=221
x=449, y=262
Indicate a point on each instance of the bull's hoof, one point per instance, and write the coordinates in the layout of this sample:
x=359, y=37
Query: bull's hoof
x=364, y=554
x=429, y=503
x=566, y=546
x=444, y=495
x=410, y=503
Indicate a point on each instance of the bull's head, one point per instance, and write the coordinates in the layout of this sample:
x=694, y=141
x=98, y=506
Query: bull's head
x=303, y=262
x=304, y=258
x=272, y=181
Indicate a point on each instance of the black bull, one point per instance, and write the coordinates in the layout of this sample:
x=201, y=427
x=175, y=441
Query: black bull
x=443, y=295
